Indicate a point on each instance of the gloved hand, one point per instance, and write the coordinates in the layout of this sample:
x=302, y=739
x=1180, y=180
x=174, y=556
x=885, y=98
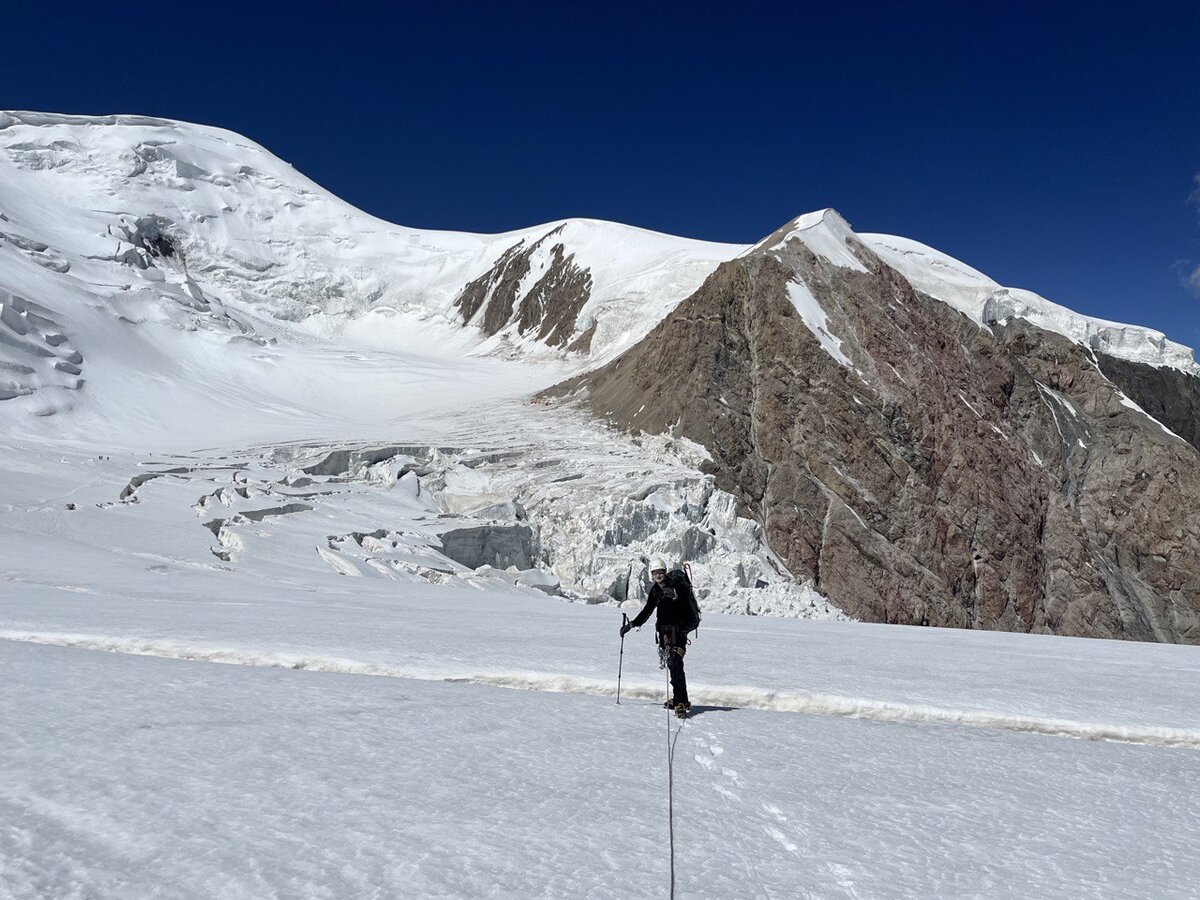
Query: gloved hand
x=625, y=629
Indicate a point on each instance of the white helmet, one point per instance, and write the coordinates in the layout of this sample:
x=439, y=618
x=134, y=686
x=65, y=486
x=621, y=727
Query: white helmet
x=657, y=563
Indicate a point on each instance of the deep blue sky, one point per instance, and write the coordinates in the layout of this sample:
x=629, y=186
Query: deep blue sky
x=1053, y=146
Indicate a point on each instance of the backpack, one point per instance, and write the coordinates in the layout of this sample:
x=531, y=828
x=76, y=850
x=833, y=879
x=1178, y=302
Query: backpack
x=682, y=582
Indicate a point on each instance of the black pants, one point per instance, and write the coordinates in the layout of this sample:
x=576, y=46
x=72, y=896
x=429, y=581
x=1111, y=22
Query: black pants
x=675, y=640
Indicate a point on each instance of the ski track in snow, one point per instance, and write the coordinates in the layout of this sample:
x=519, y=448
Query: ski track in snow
x=715, y=695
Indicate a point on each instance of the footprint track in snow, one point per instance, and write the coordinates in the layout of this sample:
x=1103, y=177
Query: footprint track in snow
x=782, y=839
x=714, y=751
x=726, y=793
x=709, y=753
x=775, y=813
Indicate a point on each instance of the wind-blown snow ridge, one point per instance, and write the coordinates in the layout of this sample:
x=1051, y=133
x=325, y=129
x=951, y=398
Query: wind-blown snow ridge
x=713, y=695
x=984, y=300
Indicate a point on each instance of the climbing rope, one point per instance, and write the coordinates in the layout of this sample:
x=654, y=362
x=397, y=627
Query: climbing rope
x=671, y=782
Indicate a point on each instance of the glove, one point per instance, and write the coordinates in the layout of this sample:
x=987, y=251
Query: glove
x=625, y=628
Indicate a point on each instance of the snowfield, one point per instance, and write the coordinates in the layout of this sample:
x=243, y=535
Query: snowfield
x=167, y=778
x=301, y=595
x=181, y=725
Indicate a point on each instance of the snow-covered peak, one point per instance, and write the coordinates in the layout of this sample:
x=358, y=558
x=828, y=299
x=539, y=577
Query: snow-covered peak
x=263, y=239
x=637, y=276
x=984, y=300
x=824, y=232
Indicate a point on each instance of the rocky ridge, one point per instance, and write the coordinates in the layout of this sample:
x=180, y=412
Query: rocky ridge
x=546, y=304
x=918, y=466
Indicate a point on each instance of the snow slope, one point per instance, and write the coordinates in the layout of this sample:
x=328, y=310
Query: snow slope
x=303, y=772
x=824, y=232
x=256, y=239
x=984, y=300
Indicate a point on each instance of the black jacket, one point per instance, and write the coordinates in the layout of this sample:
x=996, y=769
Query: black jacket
x=673, y=600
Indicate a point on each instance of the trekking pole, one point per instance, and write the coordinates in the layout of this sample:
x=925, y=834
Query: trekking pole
x=621, y=660
x=687, y=568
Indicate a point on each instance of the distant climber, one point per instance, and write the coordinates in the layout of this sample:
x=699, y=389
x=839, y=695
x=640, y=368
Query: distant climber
x=678, y=614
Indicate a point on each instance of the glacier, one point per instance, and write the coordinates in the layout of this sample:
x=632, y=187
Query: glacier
x=239, y=420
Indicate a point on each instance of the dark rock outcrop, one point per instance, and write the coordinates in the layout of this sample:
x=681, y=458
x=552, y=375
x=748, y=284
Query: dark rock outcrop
x=919, y=468
x=1171, y=396
x=549, y=307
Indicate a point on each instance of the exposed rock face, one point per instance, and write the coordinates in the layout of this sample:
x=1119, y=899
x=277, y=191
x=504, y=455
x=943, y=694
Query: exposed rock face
x=1171, y=396
x=919, y=468
x=548, y=307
